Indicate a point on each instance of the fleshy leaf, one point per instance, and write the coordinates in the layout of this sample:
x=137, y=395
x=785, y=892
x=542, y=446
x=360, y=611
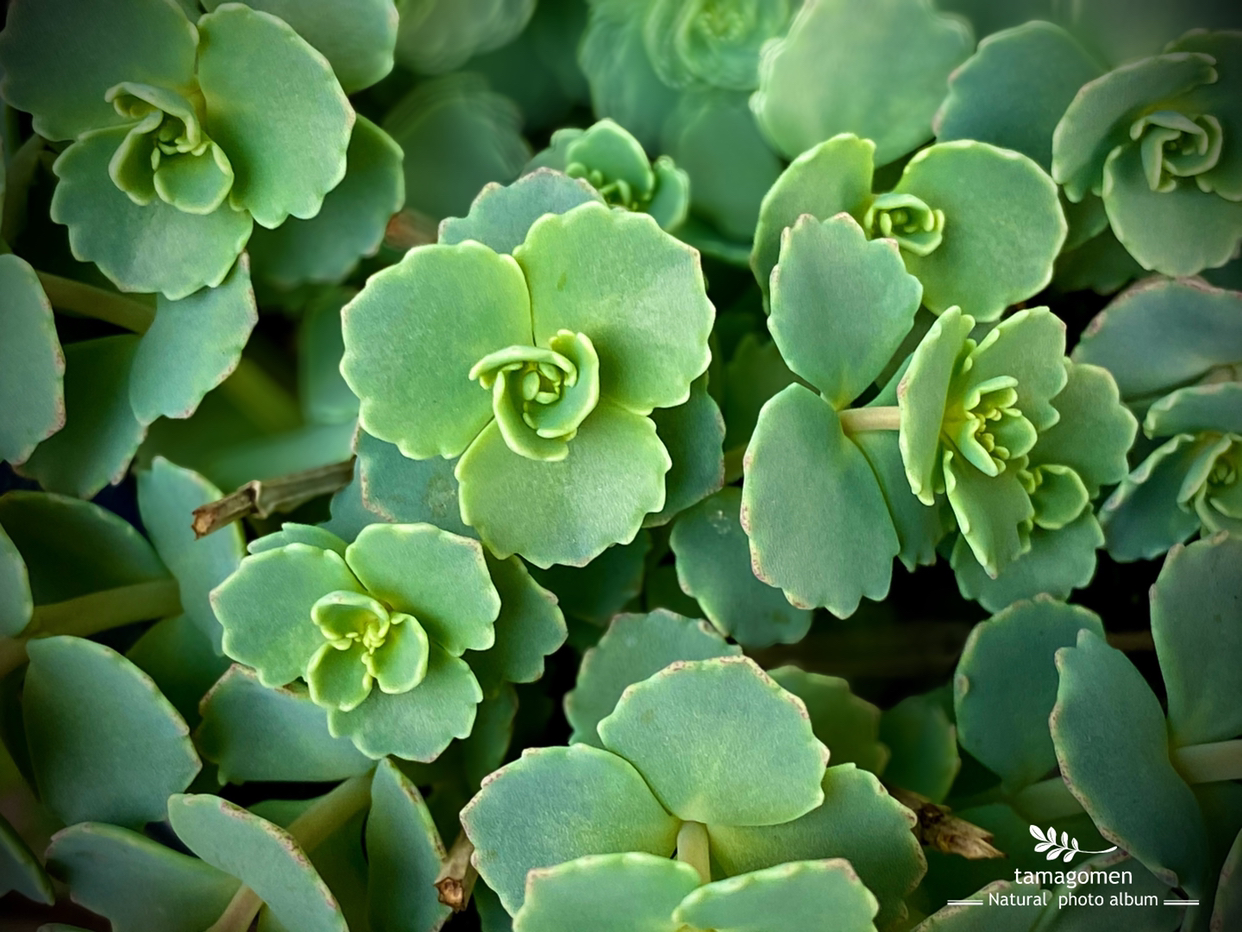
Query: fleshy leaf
x=436, y=37
x=20, y=870
x=135, y=882
x=32, y=366
x=405, y=854
x=725, y=773
x=101, y=434
x=572, y=510
x=1098, y=118
x=1094, y=431
x=847, y=725
x=993, y=512
x=825, y=180
x=629, y=892
x=1006, y=685
x=283, y=118
x=1013, y=90
x=799, y=895
x=406, y=491
x=1196, y=326
x=107, y=42
x=410, y=363
x=265, y=608
x=919, y=527
x=251, y=732
x=263, y=856
x=807, y=485
x=618, y=278
x=438, y=577
x=919, y=732
x=1003, y=227
x=192, y=346
x=634, y=648
x=105, y=745
x=858, y=821
x=885, y=83
x=693, y=434
x=1216, y=407
x=1111, y=743
x=1057, y=563
x=500, y=217
x=598, y=591
x=182, y=660
x=713, y=566
x=556, y=804
x=153, y=248
x=840, y=305
x=1028, y=346
x=350, y=225
x=754, y=374
x=166, y=494
x=1194, y=622
x=418, y=724
x=357, y=41
x=1177, y=232
x=1143, y=517
x=530, y=626
x=16, y=601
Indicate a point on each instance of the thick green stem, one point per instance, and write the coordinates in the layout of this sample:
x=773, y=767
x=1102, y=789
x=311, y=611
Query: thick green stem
x=857, y=420
x=1209, y=763
x=321, y=819
x=90, y=301
x=89, y=614
x=694, y=848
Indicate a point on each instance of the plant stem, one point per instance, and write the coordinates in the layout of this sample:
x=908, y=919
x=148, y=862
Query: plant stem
x=321, y=819
x=693, y=848
x=20, y=173
x=262, y=497
x=90, y=301
x=455, y=881
x=1209, y=763
x=857, y=420
x=260, y=398
x=89, y=614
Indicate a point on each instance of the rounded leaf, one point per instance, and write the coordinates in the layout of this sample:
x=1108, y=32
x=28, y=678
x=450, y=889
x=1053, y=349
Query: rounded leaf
x=713, y=567
x=151, y=248
x=693, y=434
x=1003, y=227
x=840, y=305
x=572, y=510
x=413, y=334
x=105, y=745
x=847, y=725
x=275, y=107
x=827, y=76
x=634, y=648
x=635, y=291
x=807, y=485
x=106, y=42
x=556, y=804
x=746, y=753
x=265, y=857
x=32, y=366
x=438, y=577
x=1144, y=516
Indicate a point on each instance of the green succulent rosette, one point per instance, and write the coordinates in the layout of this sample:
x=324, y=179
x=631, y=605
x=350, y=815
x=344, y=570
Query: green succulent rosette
x=710, y=759
x=377, y=628
x=1157, y=140
x=540, y=370
x=1175, y=349
x=614, y=163
x=1019, y=440
x=184, y=134
x=979, y=226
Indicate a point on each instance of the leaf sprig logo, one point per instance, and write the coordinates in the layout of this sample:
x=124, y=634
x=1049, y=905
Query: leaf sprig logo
x=1067, y=846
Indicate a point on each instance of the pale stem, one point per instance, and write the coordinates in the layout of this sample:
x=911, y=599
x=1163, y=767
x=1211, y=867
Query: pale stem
x=89, y=614
x=455, y=881
x=90, y=301
x=1209, y=763
x=858, y=420
x=693, y=848
x=321, y=819
x=263, y=497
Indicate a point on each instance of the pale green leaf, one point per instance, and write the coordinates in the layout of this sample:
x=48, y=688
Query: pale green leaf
x=500, y=217
x=923, y=740
x=1196, y=409
x=693, y=434
x=1143, y=517
x=20, y=870
x=847, y=725
x=32, y=365
x=182, y=660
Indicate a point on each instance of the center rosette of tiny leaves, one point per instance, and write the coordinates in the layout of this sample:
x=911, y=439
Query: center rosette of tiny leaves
x=166, y=153
x=917, y=227
x=541, y=395
x=1174, y=145
x=987, y=427
x=366, y=645
x=713, y=42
